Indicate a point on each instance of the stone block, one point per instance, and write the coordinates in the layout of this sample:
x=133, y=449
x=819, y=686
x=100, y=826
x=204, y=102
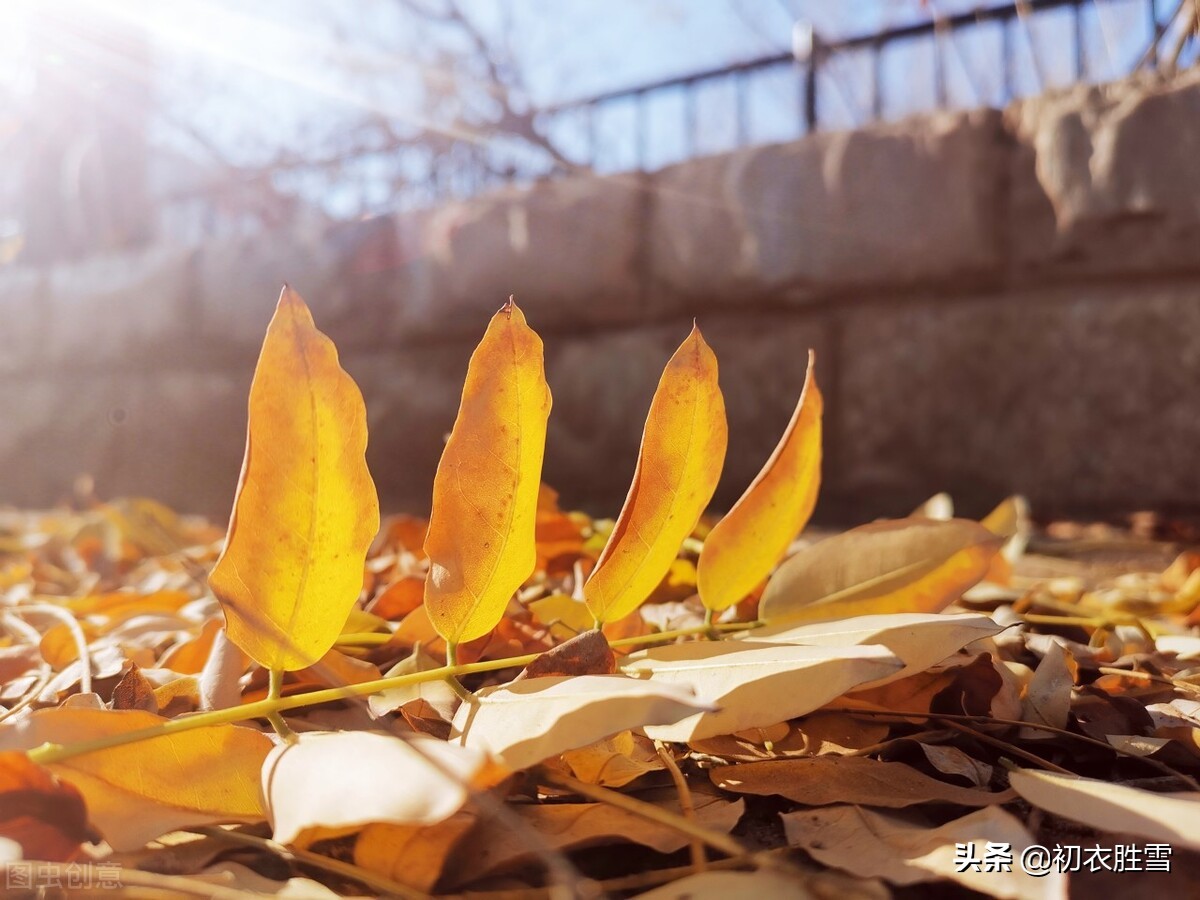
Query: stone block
x=1082, y=398
x=238, y=280
x=127, y=309
x=890, y=205
x=603, y=385
x=25, y=311
x=1115, y=168
x=412, y=398
x=177, y=437
x=569, y=250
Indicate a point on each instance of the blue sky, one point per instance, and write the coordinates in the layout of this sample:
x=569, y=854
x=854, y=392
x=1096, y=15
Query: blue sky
x=257, y=80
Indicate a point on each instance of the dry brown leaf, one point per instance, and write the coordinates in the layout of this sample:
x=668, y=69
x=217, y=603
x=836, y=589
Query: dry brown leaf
x=496, y=845
x=881, y=845
x=46, y=816
x=584, y=654
x=847, y=779
x=952, y=761
x=1048, y=697
x=133, y=691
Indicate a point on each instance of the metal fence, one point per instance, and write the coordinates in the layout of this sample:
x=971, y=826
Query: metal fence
x=985, y=57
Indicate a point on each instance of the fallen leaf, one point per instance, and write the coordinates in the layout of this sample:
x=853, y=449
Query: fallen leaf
x=337, y=782
x=883, y=845
x=1048, y=697
x=749, y=541
x=1172, y=818
x=46, y=816
x=584, y=654
x=679, y=464
x=903, y=565
x=952, y=761
x=615, y=761
x=138, y=791
x=527, y=721
x=753, y=685
x=824, y=780
x=306, y=509
x=133, y=691
x=400, y=598
x=481, y=531
x=243, y=879
x=959, y=687
x=940, y=507
x=919, y=639
x=498, y=845
x=439, y=697
x=411, y=854
x=766, y=884
x=189, y=657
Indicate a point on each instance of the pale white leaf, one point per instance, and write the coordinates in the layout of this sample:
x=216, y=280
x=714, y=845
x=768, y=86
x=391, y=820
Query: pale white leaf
x=343, y=780
x=438, y=694
x=1137, y=744
x=939, y=507
x=527, y=721
x=1048, y=697
x=919, y=639
x=754, y=685
x=1172, y=818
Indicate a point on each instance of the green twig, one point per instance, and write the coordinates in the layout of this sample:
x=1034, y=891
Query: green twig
x=50, y=753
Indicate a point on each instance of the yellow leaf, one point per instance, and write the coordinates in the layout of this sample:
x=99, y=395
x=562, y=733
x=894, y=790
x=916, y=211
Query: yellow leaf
x=485, y=493
x=139, y=791
x=306, y=509
x=683, y=449
x=902, y=565
x=744, y=546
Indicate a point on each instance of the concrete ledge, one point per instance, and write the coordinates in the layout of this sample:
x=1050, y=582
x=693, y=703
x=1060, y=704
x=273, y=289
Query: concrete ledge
x=1082, y=397
x=891, y=205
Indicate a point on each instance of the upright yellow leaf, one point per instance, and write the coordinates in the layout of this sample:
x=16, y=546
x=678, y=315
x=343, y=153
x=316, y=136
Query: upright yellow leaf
x=683, y=449
x=306, y=508
x=744, y=547
x=481, y=530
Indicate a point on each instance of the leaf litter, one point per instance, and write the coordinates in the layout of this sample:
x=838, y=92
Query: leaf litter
x=521, y=700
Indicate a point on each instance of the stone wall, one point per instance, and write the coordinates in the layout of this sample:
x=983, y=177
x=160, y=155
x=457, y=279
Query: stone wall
x=999, y=300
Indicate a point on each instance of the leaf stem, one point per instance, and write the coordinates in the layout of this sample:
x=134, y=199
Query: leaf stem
x=640, y=808
x=274, y=692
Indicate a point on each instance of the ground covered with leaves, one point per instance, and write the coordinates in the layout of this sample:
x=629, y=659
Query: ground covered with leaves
x=511, y=700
